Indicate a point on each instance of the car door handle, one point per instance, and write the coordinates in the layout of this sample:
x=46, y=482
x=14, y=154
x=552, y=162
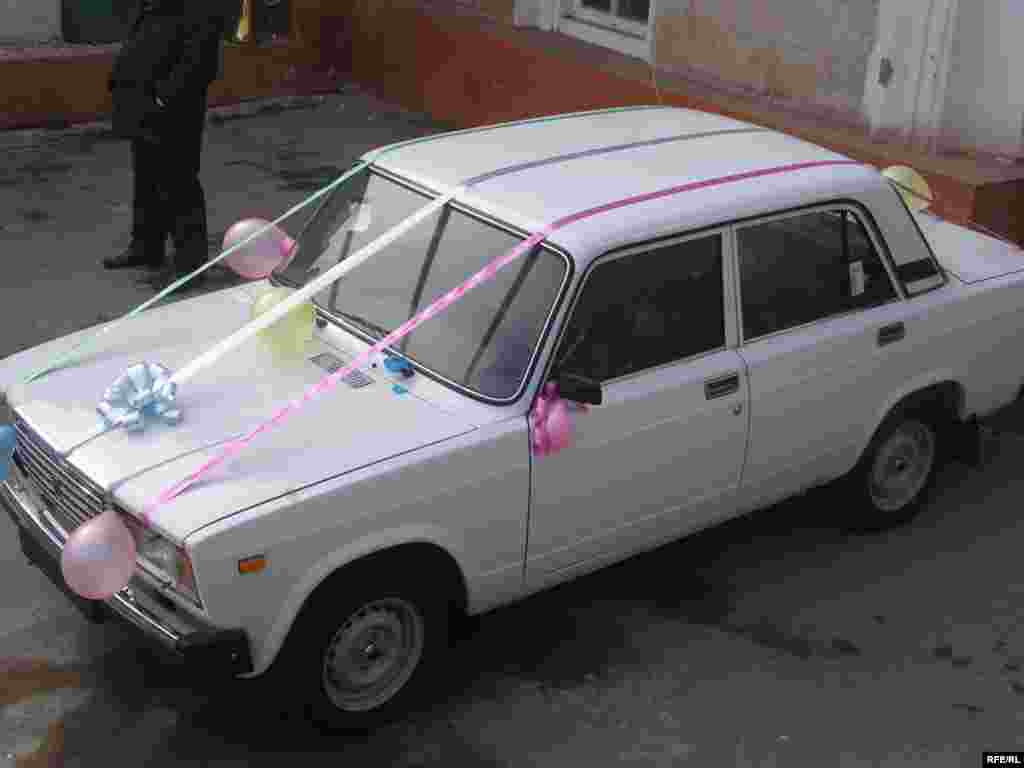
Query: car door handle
x=887, y=334
x=721, y=386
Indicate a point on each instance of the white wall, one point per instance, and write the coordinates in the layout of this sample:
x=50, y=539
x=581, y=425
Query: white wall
x=906, y=81
x=36, y=20
x=543, y=14
x=955, y=68
x=985, y=99
x=814, y=51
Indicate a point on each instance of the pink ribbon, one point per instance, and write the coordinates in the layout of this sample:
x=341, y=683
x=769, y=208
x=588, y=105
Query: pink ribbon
x=485, y=274
x=331, y=380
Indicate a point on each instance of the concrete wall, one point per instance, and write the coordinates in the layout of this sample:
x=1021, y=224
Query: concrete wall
x=939, y=74
x=985, y=97
x=37, y=20
x=501, y=10
x=464, y=70
x=814, y=51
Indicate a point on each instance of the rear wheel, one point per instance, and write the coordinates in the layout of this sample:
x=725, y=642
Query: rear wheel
x=891, y=482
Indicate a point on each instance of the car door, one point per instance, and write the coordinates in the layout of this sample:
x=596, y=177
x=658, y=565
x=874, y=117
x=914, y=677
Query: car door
x=825, y=342
x=663, y=452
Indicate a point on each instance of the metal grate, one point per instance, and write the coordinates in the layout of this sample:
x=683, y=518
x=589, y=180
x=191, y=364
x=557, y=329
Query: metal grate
x=330, y=363
x=357, y=379
x=72, y=497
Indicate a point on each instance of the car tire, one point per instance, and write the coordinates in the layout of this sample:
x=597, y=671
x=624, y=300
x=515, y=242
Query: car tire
x=891, y=482
x=363, y=651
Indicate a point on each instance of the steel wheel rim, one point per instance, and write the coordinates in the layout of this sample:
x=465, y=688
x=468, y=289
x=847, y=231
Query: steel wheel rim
x=901, y=466
x=373, y=654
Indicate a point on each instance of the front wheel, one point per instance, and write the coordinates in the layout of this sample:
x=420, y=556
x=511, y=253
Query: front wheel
x=364, y=658
x=373, y=655
x=891, y=482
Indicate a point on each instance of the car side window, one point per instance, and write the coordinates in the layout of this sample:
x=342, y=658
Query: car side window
x=647, y=309
x=807, y=267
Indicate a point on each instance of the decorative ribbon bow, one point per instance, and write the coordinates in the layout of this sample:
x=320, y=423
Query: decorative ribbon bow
x=551, y=422
x=143, y=392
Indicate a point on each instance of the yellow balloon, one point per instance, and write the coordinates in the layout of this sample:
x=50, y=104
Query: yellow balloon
x=242, y=33
x=288, y=336
x=260, y=288
x=911, y=185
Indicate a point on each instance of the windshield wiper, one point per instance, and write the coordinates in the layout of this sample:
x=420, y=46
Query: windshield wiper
x=378, y=330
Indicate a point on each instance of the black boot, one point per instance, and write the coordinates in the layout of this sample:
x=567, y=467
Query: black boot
x=134, y=256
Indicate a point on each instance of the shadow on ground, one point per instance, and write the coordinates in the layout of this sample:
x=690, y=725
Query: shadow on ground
x=587, y=632
x=561, y=639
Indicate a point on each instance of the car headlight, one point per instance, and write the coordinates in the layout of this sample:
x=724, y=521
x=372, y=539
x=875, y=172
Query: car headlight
x=167, y=559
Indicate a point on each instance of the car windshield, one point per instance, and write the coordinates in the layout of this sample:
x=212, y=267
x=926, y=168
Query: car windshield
x=486, y=340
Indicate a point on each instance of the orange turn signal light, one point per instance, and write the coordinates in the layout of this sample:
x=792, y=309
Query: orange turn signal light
x=253, y=564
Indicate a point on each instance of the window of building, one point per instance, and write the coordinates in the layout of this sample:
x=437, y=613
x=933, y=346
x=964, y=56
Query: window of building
x=626, y=15
x=620, y=24
x=647, y=309
x=806, y=267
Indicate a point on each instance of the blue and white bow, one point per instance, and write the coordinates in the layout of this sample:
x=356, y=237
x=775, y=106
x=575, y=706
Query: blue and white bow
x=142, y=393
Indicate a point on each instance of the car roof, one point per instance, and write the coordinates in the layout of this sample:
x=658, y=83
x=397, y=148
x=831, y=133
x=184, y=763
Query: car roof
x=534, y=172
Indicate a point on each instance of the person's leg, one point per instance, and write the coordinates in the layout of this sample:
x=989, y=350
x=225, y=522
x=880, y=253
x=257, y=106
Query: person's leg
x=149, y=225
x=189, y=229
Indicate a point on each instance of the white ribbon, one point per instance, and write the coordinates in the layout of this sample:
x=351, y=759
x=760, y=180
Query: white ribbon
x=336, y=272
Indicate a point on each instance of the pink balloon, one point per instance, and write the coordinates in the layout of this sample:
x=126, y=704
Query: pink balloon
x=260, y=256
x=99, y=557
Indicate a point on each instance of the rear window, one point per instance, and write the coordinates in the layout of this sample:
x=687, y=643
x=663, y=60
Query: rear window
x=805, y=267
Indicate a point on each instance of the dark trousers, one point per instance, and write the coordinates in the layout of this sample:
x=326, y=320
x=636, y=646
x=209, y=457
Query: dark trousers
x=168, y=198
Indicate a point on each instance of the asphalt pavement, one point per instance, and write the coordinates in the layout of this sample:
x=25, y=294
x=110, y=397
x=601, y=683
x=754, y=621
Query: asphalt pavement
x=774, y=640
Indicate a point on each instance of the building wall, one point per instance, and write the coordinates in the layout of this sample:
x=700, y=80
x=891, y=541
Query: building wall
x=810, y=51
x=501, y=10
x=36, y=20
x=465, y=67
x=941, y=74
x=985, y=98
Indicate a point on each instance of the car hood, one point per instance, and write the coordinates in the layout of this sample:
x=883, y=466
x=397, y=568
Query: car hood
x=340, y=431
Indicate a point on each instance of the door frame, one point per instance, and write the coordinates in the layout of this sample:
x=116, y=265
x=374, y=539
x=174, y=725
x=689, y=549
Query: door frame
x=731, y=344
x=730, y=296
x=870, y=226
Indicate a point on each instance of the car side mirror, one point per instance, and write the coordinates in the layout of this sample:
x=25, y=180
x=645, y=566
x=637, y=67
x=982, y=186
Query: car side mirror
x=578, y=388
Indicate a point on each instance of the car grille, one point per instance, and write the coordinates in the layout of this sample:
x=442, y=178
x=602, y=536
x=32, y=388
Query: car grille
x=72, y=497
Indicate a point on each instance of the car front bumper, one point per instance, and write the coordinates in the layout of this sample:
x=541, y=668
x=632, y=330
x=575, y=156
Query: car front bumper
x=142, y=603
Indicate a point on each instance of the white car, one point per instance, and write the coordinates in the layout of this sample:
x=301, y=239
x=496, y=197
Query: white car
x=746, y=315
